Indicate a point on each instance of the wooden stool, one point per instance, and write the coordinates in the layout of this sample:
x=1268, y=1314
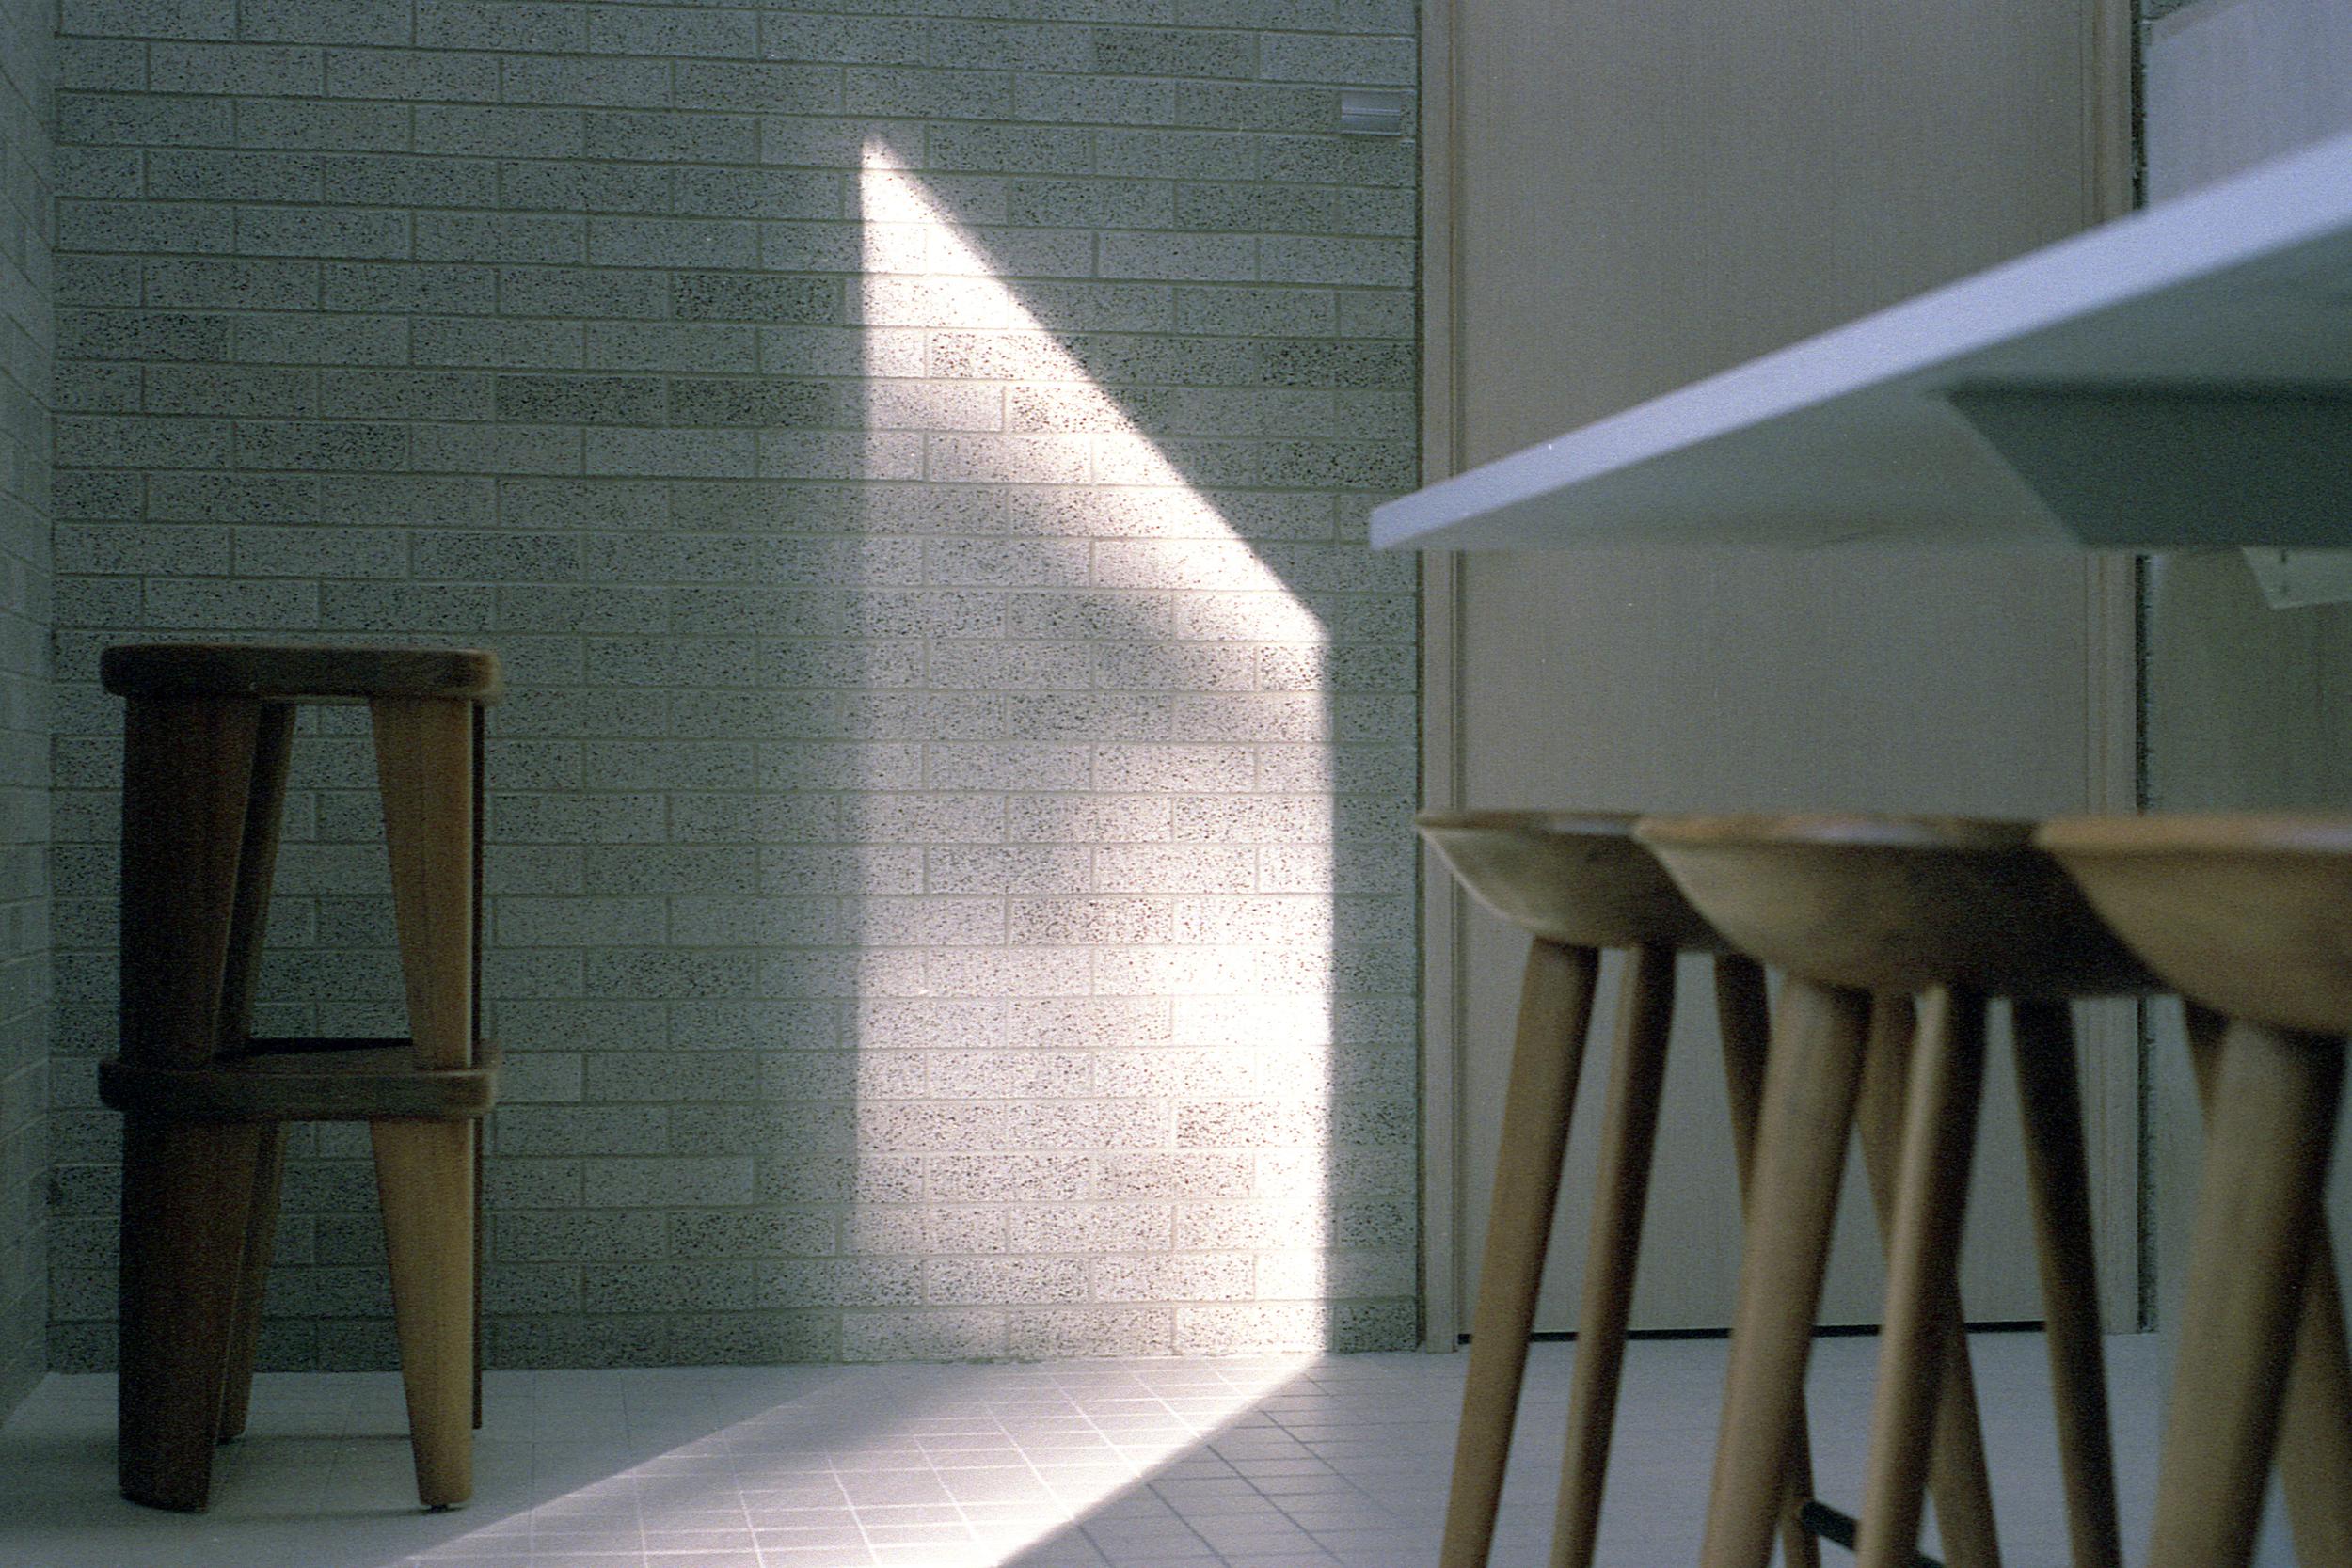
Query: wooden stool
x=2250, y=919
x=1577, y=885
x=205, y=746
x=1954, y=911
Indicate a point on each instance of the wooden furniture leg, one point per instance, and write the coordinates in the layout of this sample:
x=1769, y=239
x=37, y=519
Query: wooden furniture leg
x=257, y=864
x=1743, y=1018
x=1546, y=1056
x=188, y=766
x=425, y=1170
x=2057, y=1176
x=260, y=1236
x=1956, y=1473
x=2267, y=1142
x=1809, y=1089
x=185, y=1210
x=1629, y=1134
x=2315, y=1432
x=1921, y=1335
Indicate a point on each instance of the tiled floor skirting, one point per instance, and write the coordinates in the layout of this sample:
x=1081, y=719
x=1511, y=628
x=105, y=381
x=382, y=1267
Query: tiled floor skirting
x=1149, y=1463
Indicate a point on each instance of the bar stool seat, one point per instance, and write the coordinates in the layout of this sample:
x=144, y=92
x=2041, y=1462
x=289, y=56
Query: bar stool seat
x=1578, y=884
x=208, y=735
x=1862, y=914
x=2250, y=919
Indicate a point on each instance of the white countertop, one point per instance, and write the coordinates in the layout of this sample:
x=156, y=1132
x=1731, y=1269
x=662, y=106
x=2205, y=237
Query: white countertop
x=2181, y=377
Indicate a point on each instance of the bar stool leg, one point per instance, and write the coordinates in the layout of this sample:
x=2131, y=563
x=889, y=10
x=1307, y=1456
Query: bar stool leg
x=1809, y=1089
x=184, y=1221
x=188, y=766
x=2266, y=1148
x=1555, y=1014
x=261, y=1238
x=1921, y=1331
x=2315, y=1432
x=257, y=864
x=425, y=1170
x=2057, y=1175
x=1743, y=1021
x=1629, y=1134
x=1956, y=1476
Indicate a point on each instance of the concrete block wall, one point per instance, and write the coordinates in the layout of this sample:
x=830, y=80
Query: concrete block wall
x=951, y=873
x=27, y=343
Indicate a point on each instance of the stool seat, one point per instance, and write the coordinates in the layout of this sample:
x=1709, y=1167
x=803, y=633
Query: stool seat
x=2251, y=918
x=2245, y=913
x=1574, y=877
x=1863, y=914
x=1899, y=903
x=1578, y=882
x=289, y=673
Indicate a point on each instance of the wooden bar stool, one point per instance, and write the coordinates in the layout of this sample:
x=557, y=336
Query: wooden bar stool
x=2250, y=919
x=207, y=736
x=1577, y=885
x=1954, y=911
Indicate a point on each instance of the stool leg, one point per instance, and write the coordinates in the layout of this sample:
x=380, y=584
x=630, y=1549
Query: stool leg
x=425, y=764
x=2315, y=1432
x=261, y=1236
x=1743, y=1018
x=1555, y=1014
x=1809, y=1087
x=184, y=1202
x=424, y=1174
x=257, y=864
x=2059, y=1176
x=1921, y=1332
x=1956, y=1478
x=2266, y=1148
x=425, y=756
x=1629, y=1134
x=188, y=766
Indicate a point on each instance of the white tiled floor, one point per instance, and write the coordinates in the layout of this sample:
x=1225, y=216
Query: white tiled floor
x=1338, y=1463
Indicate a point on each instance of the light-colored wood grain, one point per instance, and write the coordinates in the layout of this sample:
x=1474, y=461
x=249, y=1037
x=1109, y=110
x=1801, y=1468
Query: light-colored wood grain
x=1574, y=877
x=1743, y=1022
x=1897, y=903
x=2057, y=1174
x=1955, y=1465
x=424, y=1173
x=1548, y=1056
x=425, y=764
x=2274, y=1112
x=2242, y=911
x=2316, y=1431
x=1923, y=1333
x=1637, y=1073
x=1809, y=1089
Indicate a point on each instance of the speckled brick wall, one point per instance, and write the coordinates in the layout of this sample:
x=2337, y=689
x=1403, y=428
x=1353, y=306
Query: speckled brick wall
x=950, y=864
x=28, y=339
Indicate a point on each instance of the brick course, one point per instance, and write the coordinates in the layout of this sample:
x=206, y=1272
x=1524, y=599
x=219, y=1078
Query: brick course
x=951, y=885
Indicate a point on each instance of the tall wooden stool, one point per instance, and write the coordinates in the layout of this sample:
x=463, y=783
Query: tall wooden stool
x=206, y=741
x=1953, y=911
x=1578, y=884
x=2250, y=919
